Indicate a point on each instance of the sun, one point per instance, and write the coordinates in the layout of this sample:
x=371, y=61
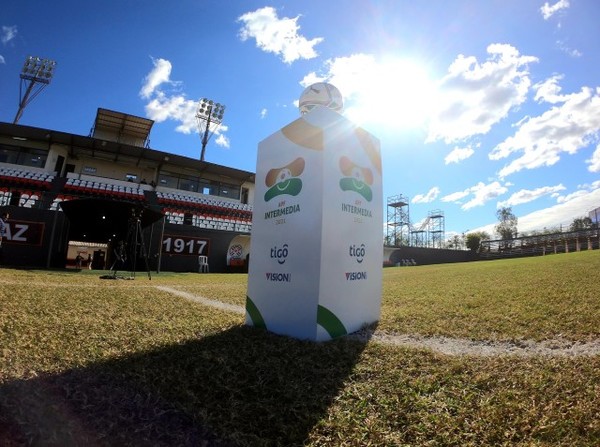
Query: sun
x=397, y=93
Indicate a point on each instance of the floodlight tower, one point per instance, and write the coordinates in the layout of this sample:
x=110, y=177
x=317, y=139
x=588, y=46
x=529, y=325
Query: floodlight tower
x=208, y=113
x=36, y=74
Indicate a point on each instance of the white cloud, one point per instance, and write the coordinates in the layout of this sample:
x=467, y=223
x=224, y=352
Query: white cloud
x=529, y=195
x=573, y=206
x=481, y=193
x=2, y=61
x=459, y=154
x=567, y=127
x=570, y=197
x=163, y=106
x=573, y=52
x=160, y=74
x=427, y=198
x=278, y=36
x=484, y=193
x=549, y=90
x=176, y=108
x=570, y=207
x=548, y=10
x=312, y=78
x=8, y=34
x=222, y=141
x=456, y=197
x=350, y=74
x=474, y=96
x=263, y=113
x=594, y=162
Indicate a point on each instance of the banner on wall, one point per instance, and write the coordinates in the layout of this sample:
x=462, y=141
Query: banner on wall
x=24, y=232
x=317, y=246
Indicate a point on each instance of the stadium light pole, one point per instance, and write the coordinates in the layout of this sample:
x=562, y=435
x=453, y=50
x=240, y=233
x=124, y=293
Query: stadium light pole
x=36, y=74
x=208, y=113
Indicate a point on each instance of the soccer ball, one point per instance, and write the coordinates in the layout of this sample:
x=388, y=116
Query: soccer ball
x=321, y=94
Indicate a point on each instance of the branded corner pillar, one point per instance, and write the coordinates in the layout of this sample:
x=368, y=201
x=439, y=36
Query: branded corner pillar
x=317, y=244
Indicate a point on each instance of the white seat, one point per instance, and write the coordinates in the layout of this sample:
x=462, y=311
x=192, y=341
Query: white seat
x=202, y=264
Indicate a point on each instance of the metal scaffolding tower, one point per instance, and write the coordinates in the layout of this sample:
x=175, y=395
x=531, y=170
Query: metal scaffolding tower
x=398, y=221
x=429, y=233
x=437, y=228
x=419, y=235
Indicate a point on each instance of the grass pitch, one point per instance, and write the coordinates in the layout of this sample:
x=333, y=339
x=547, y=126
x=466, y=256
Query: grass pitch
x=84, y=360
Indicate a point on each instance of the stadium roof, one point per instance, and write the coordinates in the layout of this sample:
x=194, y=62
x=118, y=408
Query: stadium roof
x=91, y=146
x=121, y=124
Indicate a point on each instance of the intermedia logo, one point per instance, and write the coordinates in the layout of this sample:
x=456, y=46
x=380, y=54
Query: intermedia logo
x=356, y=276
x=279, y=277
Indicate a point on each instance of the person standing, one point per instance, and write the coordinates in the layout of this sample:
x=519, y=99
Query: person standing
x=120, y=258
x=3, y=230
x=3, y=226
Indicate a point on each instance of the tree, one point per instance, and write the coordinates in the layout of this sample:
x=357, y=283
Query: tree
x=388, y=240
x=507, y=226
x=455, y=242
x=474, y=240
x=581, y=223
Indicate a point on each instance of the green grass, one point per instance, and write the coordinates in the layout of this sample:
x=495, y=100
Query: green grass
x=229, y=288
x=528, y=298
x=533, y=298
x=49, y=322
x=85, y=360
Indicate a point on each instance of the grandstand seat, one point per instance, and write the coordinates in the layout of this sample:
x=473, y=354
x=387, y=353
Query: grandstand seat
x=5, y=196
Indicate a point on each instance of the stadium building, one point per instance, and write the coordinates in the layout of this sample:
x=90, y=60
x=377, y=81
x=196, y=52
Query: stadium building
x=74, y=198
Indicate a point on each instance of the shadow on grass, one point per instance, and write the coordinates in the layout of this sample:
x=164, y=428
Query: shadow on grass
x=241, y=387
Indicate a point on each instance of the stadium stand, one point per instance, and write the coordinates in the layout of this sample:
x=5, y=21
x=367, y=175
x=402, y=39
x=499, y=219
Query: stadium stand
x=42, y=180
x=102, y=189
x=205, y=205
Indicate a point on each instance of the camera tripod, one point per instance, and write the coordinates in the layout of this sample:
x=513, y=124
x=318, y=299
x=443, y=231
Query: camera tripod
x=134, y=243
x=135, y=239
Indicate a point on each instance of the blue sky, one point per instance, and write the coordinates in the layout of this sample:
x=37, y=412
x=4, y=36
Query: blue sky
x=477, y=105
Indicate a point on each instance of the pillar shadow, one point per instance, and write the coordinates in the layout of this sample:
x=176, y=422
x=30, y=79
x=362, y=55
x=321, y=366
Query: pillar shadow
x=243, y=386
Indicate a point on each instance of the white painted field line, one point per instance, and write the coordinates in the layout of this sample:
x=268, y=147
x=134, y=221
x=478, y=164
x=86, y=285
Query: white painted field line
x=205, y=301
x=442, y=345
x=481, y=348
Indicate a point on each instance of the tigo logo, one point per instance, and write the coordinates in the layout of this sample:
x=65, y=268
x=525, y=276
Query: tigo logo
x=357, y=252
x=280, y=254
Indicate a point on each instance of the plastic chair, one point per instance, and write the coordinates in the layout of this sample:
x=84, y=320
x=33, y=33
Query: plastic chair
x=202, y=264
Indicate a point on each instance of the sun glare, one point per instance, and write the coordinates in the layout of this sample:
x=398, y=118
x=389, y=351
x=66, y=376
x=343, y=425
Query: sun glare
x=398, y=95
